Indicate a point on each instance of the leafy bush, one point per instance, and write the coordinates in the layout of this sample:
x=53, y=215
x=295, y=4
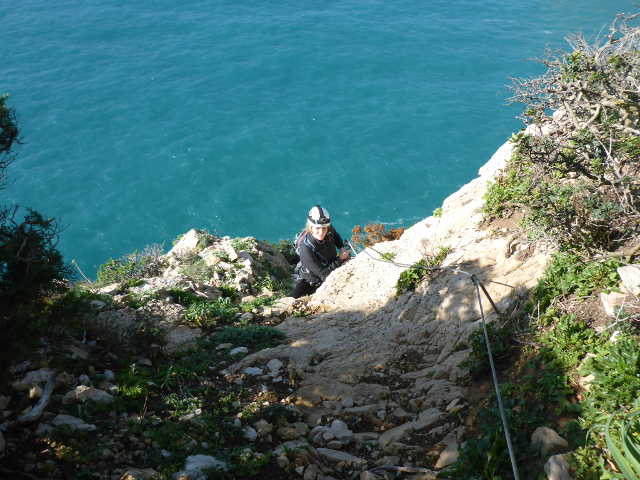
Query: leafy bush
x=255, y=337
x=579, y=182
x=130, y=268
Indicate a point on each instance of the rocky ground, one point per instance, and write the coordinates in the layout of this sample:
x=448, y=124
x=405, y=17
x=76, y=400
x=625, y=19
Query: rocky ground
x=362, y=382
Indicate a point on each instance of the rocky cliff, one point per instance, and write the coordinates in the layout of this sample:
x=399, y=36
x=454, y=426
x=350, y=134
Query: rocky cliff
x=373, y=377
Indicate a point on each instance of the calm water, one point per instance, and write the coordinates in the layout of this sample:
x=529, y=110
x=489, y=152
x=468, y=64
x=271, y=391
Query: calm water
x=143, y=119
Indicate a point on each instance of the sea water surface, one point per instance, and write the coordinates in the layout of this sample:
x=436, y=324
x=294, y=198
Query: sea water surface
x=143, y=119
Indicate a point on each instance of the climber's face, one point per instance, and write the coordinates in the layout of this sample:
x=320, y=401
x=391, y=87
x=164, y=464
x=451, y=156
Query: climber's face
x=319, y=232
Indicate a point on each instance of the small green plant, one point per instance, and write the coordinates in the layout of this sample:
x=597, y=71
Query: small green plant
x=207, y=313
x=437, y=212
x=501, y=338
x=410, y=278
x=243, y=244
x=388, y=256
x=257, y=303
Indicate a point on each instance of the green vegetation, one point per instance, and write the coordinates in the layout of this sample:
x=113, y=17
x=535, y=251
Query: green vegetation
x=574, y=177
x=131, y=268
x=31, y=267
x=437, y=212
x=422, y=269
x=579, y=183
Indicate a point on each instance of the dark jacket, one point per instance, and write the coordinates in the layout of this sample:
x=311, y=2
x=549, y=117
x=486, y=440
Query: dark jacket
x=318, y=259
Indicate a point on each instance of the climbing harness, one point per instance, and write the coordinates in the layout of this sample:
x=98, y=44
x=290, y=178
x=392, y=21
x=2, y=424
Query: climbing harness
x=478, y=287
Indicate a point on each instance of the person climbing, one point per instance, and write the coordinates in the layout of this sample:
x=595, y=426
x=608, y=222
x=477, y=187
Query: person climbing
x=317, y=245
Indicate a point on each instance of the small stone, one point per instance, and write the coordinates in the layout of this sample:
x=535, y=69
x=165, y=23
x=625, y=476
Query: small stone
x=246, y=317
x=548, y=440
x=368, y=476
x=253, y=371
x=144, y=362
x=630, y=276
x=35, y=392
x=250, y=434
x=335, y=445
x=239, y=351
x=83, y=393
x=347, y=402
x=274, y=366
x=311, y=472
x=84, y=379
x=109, y=376
x=263, y=427
x=283, y=462
x=557, y=468
x=73, y=422
x=299, y=470
x=224, y=346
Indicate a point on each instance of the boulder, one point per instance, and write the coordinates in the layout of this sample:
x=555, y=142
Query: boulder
x=82, y=393
x=630, y=276
x=73, y=422
x=557, y=468
x=185, y=245
x=450, y=453
x=548, y=441
x=613, y=302
x=181, y=338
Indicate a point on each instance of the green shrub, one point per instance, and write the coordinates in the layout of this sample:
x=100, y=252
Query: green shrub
x=31, y=269
x=243, y=244
x=130, y=268
x=255, y=337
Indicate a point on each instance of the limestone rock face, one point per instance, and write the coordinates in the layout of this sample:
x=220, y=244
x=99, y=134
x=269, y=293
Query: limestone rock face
x=362, y=336
x=186, y=245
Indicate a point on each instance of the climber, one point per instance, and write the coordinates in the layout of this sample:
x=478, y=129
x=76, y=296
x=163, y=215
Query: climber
x=321, y=251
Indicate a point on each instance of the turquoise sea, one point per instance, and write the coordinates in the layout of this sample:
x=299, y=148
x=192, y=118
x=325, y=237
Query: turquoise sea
x=143, y=119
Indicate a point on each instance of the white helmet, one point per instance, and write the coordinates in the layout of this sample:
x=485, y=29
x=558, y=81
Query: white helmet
x=319, y=216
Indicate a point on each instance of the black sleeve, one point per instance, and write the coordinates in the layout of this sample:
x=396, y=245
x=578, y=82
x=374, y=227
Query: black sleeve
x=337, y=238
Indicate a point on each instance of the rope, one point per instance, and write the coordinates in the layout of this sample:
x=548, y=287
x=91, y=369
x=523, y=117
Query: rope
x=478, y=286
